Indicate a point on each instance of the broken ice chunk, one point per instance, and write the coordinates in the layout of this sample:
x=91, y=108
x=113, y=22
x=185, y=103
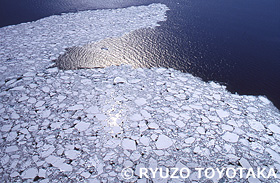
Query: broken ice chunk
x=140, y=101
x=82, y=126
x=59, y=163
x=200, y=130
x=252, y=109
x=253, y=180
x=256, y=125
x=274, y=128
x=32, y=100
x=227, y=127
x=42, y=173
x=46, y=113
x=135, y=156
x=14, y=115
x=136, y=117
x=145, y=140
x=46, y=89
x=129, y=144
x=222, y=113
x=6, y=128
x=118, y=80
x=163, y=142
x=39, y=103
x=274, y=155
x=189, y=140
x=230, y=137
x=86, y=81
x=75, y=107
x=244, y=163
x=180, y=123
x=72, y=154
x=92, y=110
x=264, y=100
x=101, y=117
x=145, y=114
x=153, y=125
x=30, y=173
x=86, y=174
x=11, y=149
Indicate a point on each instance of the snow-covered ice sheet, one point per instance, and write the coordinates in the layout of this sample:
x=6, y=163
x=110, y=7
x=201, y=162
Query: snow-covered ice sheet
x=31, y=46
x=90, y=124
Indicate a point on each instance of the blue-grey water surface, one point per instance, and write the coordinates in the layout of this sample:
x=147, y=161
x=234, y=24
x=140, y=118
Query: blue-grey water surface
x=235, y=42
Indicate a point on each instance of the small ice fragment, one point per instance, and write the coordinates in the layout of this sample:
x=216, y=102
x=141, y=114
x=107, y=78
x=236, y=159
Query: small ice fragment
x=230, y=137
x=274, y=128
x=129, y=144
x=222, y=114
x=118, y=80
x=82, y=126
x=163, y=142
x=72, y=154
x=75, y=107
x=140, y=101
x=30, y=173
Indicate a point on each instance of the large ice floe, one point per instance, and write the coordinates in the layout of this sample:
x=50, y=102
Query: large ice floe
x=109, y=124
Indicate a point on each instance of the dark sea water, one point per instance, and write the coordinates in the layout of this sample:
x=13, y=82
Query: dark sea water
x=234, y=42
